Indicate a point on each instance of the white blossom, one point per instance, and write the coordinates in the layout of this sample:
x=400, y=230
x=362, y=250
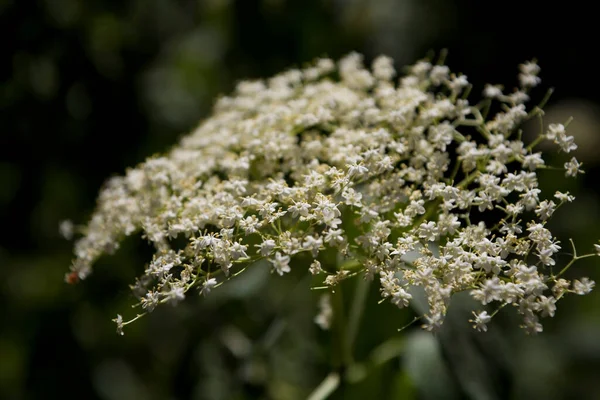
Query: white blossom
x=572, y=167
x=281, y=263
x=325, y=315
x=583, y=286
x=119, y=322
x=208, y=285
x=481, y=320
x=393, y=176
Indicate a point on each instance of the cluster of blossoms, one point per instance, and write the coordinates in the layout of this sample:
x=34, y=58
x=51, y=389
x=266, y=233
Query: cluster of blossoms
x=405, y=181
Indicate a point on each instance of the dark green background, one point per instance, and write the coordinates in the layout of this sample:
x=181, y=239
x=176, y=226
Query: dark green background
x=89, y=87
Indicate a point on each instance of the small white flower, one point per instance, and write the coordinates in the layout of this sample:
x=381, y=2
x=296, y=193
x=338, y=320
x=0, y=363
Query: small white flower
x=175, y=295
x=481, y=320
x=458, y=83
x=528, y=76
x=238, y=251
x=281, y=263
x=383, y=68
x=545, y=209
x=150, y=301
x=66, y=229
x=530, y=68
x=439, y=74
x=564, y=197
x=325, y=316
x=119, y=322
x=583, y=286
x=492, y=91
x=572, y=167
x=555, y=130
x=546, y=306
x=315, y=268
x=208, y=285
x=266, y=247
x=313, y=244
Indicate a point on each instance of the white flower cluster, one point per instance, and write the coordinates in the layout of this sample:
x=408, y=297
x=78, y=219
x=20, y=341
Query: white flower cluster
x=348, y=160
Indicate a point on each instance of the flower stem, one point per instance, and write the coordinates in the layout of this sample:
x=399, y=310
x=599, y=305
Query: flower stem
x=356, y=312
x=325, y=388
x=575, y=258
x=341, y=355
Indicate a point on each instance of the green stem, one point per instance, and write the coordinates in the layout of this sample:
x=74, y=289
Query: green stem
x=326, y=388
x=356, y=312
x=575, y=258
x=566, y=268
x=341, y=358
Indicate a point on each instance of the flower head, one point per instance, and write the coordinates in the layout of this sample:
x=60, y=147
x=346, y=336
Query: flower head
x=369, y=167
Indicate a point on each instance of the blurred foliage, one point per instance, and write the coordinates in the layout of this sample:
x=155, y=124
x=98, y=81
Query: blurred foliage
x=89, y=87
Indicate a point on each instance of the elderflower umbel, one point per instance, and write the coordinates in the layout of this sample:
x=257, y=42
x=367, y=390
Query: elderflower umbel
x=283, y=167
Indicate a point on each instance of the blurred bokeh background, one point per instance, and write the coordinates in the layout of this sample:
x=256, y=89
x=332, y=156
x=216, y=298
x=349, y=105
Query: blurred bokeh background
x=89, y=87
